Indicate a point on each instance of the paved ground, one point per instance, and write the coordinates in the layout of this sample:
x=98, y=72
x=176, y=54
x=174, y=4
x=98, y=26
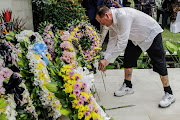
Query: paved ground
x=148, y=92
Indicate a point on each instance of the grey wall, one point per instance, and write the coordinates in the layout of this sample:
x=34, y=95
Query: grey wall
x=20, y=8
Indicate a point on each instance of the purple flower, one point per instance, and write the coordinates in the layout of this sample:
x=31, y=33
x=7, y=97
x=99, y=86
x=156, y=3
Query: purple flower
x=77, y=86
x=97, y=119
x=84, y=84
x=77, y=92
x=80, y=102
x=83, y=97
x=87, y=113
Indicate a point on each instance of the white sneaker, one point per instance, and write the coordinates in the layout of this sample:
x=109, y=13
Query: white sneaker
x=124, y=90
x=167, y=100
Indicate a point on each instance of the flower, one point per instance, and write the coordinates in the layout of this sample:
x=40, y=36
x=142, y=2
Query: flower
x=77, y=92
x=80, y=102
x=83, y=98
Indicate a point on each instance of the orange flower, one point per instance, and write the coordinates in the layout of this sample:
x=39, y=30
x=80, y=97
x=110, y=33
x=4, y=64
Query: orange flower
x=61, y=32
x=5, y=31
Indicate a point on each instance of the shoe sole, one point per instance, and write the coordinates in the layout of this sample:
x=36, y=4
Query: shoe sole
x=167, y=105
x=124, y=94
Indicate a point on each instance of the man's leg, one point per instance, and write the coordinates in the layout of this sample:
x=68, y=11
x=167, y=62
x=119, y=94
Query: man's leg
x=156, y=53
x=131, y=55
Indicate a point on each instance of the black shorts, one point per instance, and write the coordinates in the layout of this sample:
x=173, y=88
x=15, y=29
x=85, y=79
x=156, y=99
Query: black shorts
x=155, y=52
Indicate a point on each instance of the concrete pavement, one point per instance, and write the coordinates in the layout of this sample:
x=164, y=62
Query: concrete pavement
x=148, y=92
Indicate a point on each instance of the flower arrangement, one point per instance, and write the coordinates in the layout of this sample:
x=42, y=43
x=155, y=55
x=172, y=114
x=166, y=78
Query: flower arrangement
x=14, y=97
x=86, y=40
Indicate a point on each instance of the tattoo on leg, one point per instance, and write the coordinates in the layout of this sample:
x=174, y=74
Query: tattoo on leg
x=129, y=74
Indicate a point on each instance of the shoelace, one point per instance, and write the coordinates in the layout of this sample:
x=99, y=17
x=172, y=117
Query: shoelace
x=123, y=86
x=165, y=96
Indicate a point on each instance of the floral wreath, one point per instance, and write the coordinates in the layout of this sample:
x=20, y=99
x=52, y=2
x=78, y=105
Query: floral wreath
x=36, y=50
x=86, y=40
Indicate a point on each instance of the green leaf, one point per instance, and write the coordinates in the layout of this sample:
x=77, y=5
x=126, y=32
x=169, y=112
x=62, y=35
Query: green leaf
x=66, y=111
x=171, y=47
x=52, y=86
x=178, y=52
x=110, y=67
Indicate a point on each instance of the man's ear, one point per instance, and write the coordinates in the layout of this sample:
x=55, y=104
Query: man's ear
x=107, y=15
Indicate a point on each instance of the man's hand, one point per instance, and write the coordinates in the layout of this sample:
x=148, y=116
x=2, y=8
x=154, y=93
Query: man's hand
x=102, y=65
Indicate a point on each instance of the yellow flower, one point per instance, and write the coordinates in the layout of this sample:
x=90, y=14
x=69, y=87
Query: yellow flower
x=78, y=34
x=58, y=106
x=68, y=89
x=90, y=28
x=76, y=29
x=97, y=48
x=80, y=115
x=70, y=39
x=50, y=32
x=48, y=56
x=95, y=39
x=73, y=64
x=36, y=56
x=89, y=66
x=95, y=43
x=86, y=108
x=71, y=48
x=72, y=33
x=79, y=25
x=72, y=95
x=40, y=66
x=41, y=75
x=91, y=34
x=87, y=31
x=85, y=55
x=95, y=32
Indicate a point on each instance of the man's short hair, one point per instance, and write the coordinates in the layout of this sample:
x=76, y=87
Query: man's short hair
x=101, y=10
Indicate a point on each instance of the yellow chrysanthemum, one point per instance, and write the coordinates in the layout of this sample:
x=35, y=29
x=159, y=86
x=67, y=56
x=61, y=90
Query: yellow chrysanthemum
x=90, y=28
x=36, y=56
x=71, y=48
x=95, y=32
x=80, y=115
x=72, y=33
x=50, y=32
x=40, y=66
x=58, y=106
x=41, y=75
x=76, y=29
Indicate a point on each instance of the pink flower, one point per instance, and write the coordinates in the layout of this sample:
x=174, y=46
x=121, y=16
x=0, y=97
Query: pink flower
x=77, y=86
x=97, y=119
x=84, y=84
x=87, y=113
x=6, y=72
x=83, y=97
x=77, y=77
x=65, y=37
x=80, y=102
x=96, y=110
x=90, y=107
x=77, y=92
x=2, y=90
x=90, y=99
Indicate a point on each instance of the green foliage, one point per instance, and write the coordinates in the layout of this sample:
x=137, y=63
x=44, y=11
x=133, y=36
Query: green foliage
x=86, y=42
x=60, y=12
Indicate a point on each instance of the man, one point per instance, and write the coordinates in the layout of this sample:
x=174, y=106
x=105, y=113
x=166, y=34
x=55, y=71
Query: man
x=147, y=6
x=135, y=31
